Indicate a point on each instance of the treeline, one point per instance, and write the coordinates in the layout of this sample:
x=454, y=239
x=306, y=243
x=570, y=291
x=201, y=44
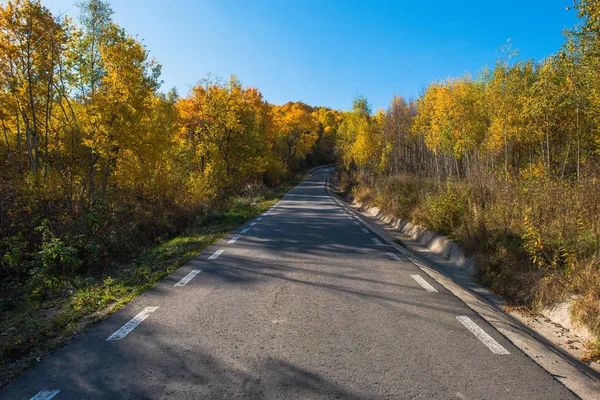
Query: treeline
x=507, y=164
x=97, y=163
x=518, y=118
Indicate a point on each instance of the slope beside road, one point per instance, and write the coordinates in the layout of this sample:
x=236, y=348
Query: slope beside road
x=302, y=302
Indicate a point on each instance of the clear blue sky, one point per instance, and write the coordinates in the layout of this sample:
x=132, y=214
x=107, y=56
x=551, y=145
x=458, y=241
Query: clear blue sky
x=325, y=52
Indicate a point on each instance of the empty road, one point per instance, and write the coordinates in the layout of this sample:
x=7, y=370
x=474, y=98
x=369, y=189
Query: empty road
x=303, y=302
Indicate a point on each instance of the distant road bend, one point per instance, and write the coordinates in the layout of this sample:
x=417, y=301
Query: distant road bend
x=302, y=302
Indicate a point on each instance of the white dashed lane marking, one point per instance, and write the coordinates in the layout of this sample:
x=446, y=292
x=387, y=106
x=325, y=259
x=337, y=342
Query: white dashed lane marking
x=46, y=395
x=132, y=324
x=424, y=283
x=480, y=334
x=393, y=256
x=233, y=239
x=259, y=219
x=377, y=241
x=245, y=230
x=188, y=277
x=216, y=254
x=253, y=223
x=364, y=230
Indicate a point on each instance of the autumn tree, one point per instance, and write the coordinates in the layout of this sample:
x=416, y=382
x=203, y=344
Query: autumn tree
x=328, y=121
x=505, y=86
x=358, y=137
x=295, y=130
x=32, y=46
x=400, y=146
x=224, y=124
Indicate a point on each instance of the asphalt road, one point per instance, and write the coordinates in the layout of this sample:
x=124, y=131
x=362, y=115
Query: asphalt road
x=305, y=304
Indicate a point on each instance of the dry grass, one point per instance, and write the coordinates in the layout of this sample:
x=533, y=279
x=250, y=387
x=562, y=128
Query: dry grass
x=586, y=306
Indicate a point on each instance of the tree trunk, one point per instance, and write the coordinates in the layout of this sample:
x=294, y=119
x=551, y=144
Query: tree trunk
x=578, y=142
x=19, y=144
x=547, y=143
x=7, y=142
x=31, y=131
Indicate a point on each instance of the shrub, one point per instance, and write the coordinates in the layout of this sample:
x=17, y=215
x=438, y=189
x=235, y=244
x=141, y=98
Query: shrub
x=52, y=264
x=13, y=263
x=445, y=210
x=400, y=194
x=502, y=265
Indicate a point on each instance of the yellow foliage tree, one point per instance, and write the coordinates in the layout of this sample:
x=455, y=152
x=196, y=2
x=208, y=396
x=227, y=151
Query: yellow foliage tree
x=295, y=132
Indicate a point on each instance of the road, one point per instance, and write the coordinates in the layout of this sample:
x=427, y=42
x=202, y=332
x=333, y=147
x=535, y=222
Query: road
x=306, y=303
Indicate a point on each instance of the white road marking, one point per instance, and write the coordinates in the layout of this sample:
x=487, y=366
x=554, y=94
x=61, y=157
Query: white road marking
x=393, y=256
x=131, y=325
x=480, y=334
x=377, y=242
x=259, y=219
x=216, y=254
x=233, y=239
x=356, y=223
x=245, y=230
x=253, y=223
x=188, y=277
x=364, y=230
x=424, y=283
x=47, y=395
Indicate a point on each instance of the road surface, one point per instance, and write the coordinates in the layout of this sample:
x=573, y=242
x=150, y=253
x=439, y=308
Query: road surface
x=305, y=303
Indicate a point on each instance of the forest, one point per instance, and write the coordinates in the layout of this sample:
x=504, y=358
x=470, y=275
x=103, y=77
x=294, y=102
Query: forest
x=103, y=173
x=506, y=164
x=97, y=162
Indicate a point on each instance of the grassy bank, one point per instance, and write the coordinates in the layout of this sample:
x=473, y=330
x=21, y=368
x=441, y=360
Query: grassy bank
x=32, y=328
x=535, y=241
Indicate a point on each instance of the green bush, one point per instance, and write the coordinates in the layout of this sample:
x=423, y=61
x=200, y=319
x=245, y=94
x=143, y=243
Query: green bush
x=13, y=263
x=52, y=265
x=445, y=210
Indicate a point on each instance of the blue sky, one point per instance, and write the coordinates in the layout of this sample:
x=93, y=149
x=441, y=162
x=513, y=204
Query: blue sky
x=325, y=52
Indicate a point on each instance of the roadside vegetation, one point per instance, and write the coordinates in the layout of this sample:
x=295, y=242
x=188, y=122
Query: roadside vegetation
x=506, y=164
x=32, y=329
x=97, y=166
